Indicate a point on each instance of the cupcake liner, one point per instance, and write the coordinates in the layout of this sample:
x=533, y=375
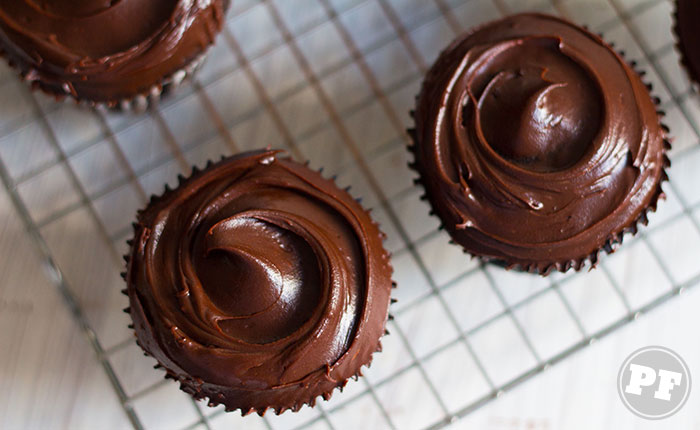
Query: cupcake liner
x=135, y=104
x=201, y=390
x=168, y=85
x=615, y=238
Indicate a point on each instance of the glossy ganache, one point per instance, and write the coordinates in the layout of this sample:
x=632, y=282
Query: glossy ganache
x=538, y=145
x=688, y=34
x=105, y=50
x=258, y=283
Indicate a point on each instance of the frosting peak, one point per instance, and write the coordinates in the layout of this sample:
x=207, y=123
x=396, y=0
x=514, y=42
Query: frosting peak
x=540, y=109
x=262, y=275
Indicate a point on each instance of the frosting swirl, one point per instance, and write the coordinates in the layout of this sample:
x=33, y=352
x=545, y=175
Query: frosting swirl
x=106, y=50
x=537, y=144
x=257, y=283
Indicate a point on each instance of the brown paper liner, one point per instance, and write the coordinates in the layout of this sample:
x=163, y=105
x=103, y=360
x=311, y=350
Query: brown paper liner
x=136, y=104
x=193, y=385
x=615, y=238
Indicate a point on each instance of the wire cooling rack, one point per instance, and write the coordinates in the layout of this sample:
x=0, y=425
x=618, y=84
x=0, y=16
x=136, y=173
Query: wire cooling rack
x=332, y=81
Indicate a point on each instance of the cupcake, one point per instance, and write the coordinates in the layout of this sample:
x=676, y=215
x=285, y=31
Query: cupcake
x=115, y=53
x=258, y=284
x=688, y=36
x=537, y=144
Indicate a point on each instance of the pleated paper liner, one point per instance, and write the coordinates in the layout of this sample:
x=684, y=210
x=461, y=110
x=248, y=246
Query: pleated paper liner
x=137, y=103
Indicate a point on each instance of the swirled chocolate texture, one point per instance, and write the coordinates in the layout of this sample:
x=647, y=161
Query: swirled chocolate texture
x=259, y=284
x=105, y=50
x=688, y=33
x=537, y=144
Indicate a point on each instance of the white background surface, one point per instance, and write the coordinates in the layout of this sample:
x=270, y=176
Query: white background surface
x=333, y=83
x=581, y=393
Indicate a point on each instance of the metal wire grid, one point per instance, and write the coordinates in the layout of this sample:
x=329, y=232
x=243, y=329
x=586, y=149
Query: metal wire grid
x=179, y=157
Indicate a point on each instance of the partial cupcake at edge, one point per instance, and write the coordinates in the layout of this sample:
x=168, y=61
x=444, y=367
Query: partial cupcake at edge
x=258, y=284
x=537, y=144
x=687, y=17
x=121, y=53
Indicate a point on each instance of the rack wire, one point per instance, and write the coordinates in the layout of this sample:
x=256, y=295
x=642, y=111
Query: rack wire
x=332, y=81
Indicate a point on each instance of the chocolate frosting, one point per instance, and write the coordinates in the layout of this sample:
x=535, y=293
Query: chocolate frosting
x=537, y=144
x=258, y=283
x=687, y=18
x=106, y=50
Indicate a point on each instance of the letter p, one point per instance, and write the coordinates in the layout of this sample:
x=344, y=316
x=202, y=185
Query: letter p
x=642, y=376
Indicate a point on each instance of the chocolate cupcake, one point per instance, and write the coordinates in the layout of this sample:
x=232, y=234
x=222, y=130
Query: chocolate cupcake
x=104, y=51
x=537, y=144
x=258, y=283
x=688, y=36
